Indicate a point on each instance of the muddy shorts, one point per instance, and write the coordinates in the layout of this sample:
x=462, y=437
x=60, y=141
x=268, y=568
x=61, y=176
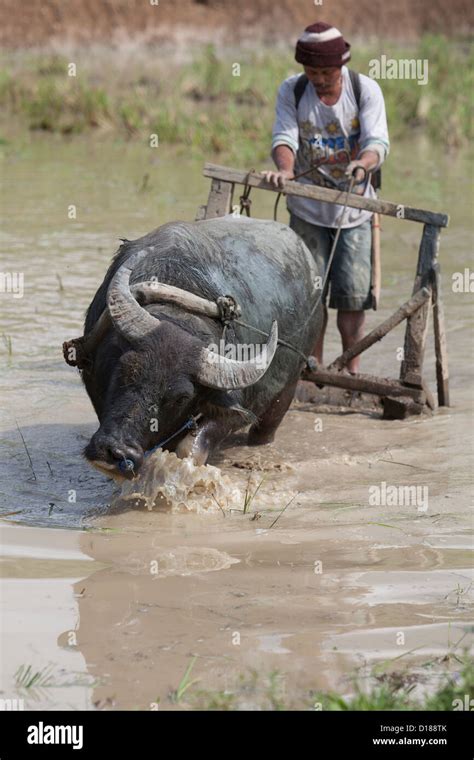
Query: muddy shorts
x=351, y=265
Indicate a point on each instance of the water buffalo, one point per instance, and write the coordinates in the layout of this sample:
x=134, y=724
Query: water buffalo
x=146, y=356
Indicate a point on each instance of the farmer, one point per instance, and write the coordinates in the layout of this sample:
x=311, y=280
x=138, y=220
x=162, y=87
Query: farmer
x=319, y=123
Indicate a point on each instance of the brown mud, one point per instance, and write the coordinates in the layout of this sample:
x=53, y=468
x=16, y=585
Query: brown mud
x=183, y=25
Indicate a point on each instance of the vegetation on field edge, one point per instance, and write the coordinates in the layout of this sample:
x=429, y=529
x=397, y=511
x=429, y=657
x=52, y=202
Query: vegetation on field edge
x=204, y=109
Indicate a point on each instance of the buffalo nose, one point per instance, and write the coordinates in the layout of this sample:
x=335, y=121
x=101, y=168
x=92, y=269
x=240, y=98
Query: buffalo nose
x=129, y=458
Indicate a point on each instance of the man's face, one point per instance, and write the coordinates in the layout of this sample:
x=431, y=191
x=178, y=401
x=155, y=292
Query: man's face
x=324, y=79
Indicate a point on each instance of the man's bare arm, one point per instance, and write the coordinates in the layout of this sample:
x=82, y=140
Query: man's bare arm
x=367, y=161
x=284, y=159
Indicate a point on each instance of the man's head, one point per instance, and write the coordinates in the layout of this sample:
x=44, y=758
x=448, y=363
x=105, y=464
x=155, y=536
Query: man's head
x=324, y=78
x=322, y=51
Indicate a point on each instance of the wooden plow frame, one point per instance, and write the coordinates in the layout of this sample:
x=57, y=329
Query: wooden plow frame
x=410, y=393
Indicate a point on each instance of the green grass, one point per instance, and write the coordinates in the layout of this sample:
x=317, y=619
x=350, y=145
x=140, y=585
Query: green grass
x=391, y=690
x=8, y=344
x=251, y=692
x=249, y=496
x=27, y=678
x=178, y=694
x=206, y=110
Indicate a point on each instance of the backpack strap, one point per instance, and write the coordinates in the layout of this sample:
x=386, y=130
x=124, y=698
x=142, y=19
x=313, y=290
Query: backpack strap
x=299, y=88
x=355, y=82
x=376, y=177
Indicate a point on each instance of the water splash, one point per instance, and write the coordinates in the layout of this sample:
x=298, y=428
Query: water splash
x=171, y=484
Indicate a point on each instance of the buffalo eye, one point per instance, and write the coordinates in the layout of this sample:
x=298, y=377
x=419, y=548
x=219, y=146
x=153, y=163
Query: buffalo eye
x=179, y=394
x=181, y=400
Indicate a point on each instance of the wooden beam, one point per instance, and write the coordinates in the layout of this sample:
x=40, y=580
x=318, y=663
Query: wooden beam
x=376, y=266
x=200, y=213
x=400, y=408
x=255, y=179
x=417, y=325
x=219, y=202
x=441, y=350
x=378, y=386
x=378, y=333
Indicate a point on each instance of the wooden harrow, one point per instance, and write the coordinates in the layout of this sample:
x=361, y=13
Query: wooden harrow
x=410, y=393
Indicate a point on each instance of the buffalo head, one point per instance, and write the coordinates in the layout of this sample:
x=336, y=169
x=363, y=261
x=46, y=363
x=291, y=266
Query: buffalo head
x=164, y=375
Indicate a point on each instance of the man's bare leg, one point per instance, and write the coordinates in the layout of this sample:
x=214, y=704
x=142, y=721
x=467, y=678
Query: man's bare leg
x=351, y=326
x=318, y=346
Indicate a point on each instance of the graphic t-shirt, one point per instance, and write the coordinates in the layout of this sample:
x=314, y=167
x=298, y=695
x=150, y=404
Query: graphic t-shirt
x=335, y=133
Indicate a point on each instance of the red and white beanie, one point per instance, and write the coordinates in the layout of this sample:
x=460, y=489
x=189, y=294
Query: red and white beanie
x=322, y=45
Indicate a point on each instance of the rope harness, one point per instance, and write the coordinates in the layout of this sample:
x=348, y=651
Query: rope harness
x=245, y=201
x=127, y=465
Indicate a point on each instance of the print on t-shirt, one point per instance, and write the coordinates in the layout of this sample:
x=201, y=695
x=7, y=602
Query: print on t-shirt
x=330, y=145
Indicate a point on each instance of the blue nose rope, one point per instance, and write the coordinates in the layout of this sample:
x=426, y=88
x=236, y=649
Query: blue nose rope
x=128, y=465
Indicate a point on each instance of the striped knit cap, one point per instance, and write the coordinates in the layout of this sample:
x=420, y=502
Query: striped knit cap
x=322, y=45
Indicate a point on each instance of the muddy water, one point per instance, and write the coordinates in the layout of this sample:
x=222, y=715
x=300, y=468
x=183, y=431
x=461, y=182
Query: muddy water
x=118, y=600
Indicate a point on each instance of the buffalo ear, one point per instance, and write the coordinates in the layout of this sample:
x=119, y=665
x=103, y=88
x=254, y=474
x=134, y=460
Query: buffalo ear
x=230, y=400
